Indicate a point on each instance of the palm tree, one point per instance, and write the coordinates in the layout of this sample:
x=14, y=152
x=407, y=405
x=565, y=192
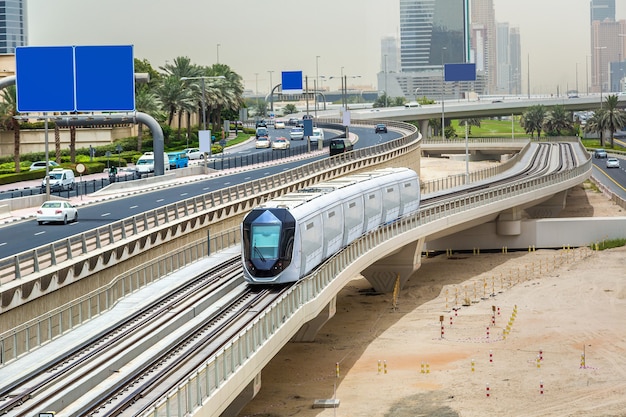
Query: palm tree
x=8, y=109
x=532, y=119
x=594, y=124
x=147, y=102
x=557, y=120
x=612, y=119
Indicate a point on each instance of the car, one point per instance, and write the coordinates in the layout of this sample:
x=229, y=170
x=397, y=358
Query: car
x=263, y=142
x=296, y=133
x=279, y=124
x=600, y=153
x=57, y=211
x=261, y=123
x=281, y=143
x=292, y=121
x=42, y=164
x=612, y=163
x=318, y=134
x=59, y=179
x=178, y=159
x=262, y=131
x=193, y=153
x=380, y=128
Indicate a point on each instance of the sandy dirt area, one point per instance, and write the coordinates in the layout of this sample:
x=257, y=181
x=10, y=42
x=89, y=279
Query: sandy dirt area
x=524, y=334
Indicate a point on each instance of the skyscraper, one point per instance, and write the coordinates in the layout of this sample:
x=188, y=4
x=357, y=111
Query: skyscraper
x=484, y=42
x=602, y=10
x=13, y=31
x=432, y=33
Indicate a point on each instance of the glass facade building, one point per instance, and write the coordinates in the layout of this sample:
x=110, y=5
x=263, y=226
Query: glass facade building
x=602, y=10
x=13, y=30
x=433, y=32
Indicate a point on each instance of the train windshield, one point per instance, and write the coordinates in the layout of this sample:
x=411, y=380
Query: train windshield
x=264, y=241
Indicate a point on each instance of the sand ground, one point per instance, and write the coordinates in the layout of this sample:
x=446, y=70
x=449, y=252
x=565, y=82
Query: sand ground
x=564, y=354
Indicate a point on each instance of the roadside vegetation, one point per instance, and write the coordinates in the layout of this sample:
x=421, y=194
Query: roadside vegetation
x=608, y=244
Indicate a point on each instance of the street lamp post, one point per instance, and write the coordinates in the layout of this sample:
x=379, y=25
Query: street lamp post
x=386, y=100
x=443, y=117
x=202, y=85
x=600, y=48
x=271, y=92
x=317, y=81
x=218, y=54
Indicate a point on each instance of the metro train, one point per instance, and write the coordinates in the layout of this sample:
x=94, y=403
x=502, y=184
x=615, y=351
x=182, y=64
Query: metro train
x=284, y=239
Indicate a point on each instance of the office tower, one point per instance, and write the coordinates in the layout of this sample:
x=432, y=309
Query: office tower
x=602, y=10
x=515, y=61
x=432, y=33
x=13, y=31
x=484, y=31
x=389, y=58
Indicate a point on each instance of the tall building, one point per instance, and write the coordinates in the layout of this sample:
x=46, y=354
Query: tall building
x=607, y=46
x=515, y=61
x=602, y=10
x=432, y=33
x=13, y=30
x=484, y=41
x=389, y=58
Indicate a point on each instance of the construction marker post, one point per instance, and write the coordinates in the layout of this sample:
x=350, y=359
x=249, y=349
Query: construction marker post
x=441, y=321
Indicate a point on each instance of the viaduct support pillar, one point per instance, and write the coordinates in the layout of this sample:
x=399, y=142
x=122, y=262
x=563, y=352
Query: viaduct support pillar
x=405, y=262
x=309, y=330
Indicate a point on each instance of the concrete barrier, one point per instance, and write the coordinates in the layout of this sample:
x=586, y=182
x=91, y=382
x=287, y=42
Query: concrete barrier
x=5, y=211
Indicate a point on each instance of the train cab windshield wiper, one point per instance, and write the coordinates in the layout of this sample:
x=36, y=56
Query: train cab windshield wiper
x=258, y=252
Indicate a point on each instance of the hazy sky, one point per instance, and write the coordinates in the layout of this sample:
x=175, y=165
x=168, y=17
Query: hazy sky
x=256, y=36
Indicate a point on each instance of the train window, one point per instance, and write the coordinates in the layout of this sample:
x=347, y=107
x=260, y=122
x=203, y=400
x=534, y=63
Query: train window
x=331, y=214
x=407, y=185
x=390, y=190
x=265, y=241
x=371, y=196
x=351, y=205
x=309, y=226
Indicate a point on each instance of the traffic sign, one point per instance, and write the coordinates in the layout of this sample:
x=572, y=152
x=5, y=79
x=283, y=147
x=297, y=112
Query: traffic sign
x=74, y=78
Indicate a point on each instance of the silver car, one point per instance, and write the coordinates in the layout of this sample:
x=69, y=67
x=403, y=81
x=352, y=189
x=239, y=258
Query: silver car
x=296, y=133
x=612, y=163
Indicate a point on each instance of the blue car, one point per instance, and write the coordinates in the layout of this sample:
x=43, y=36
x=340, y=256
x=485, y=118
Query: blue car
x=178, y=159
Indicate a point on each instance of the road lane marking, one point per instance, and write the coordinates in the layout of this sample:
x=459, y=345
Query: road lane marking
x=39, y=233
x=105, y=214
x=160, y=200
x=134, y=207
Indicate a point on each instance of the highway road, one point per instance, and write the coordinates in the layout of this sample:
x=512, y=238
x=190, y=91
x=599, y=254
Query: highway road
x=23, y=236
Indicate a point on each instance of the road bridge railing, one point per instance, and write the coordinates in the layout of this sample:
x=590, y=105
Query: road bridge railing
x=44, y=269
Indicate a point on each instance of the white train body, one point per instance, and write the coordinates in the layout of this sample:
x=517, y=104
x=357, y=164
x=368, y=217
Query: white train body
x=286, y=238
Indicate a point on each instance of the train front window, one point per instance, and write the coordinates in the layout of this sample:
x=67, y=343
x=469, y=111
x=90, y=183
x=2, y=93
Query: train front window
x=264, y=242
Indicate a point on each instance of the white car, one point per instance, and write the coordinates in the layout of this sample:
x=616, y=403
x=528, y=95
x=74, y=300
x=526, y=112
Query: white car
x=612, y=163
x=57, y=211
x=279, y=124
x=296, y=133
x=317, y=134
x=281, y=143
x=263, y=142
x=42, y=165
x=193, y=153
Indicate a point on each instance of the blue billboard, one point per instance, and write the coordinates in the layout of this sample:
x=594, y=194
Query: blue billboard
x=44, y=78
x=74, y=78
x=460, y=72
x=291, y=82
